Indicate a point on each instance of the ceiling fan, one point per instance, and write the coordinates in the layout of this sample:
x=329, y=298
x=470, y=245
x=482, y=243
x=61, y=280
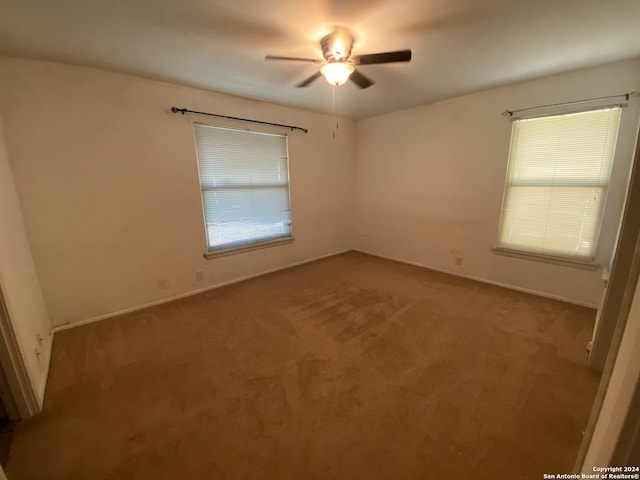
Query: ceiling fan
x=339, y=64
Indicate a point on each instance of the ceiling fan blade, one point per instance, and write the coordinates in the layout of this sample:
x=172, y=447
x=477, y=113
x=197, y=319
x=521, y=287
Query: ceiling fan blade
x=309, y=80
x=361, y=80
x=385, y=57
x=295, y=59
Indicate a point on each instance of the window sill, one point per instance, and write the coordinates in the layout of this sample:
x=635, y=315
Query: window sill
x=567, y=262
x=247, y=248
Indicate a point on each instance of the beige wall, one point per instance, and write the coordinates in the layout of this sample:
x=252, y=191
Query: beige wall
x=429, y=181
x=108, y=184
x=19, y=282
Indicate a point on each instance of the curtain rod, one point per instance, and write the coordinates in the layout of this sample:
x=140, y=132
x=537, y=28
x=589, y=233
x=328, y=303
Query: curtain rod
x=627, y=96
x=186, y=110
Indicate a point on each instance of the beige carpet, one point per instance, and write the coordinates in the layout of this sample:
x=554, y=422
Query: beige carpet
x=352, y=367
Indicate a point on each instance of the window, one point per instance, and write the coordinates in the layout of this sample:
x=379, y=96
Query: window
x=244, y=181
x=557, y=180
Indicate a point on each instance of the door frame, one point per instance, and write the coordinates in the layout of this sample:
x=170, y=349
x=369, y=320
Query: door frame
x=616, y=307
x=22, y=401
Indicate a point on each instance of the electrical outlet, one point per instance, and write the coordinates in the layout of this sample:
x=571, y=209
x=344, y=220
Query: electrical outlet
x=163, y=284
x=458, y=260
x=198, y=274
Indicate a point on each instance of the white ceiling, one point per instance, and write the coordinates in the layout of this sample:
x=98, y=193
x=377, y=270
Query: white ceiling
x=458, y=45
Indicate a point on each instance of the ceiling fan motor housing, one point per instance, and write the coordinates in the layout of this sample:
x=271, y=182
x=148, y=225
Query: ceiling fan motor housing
x=337, y=46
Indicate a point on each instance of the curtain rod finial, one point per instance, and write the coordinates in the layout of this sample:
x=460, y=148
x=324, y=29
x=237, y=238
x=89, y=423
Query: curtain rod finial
x=507, y=113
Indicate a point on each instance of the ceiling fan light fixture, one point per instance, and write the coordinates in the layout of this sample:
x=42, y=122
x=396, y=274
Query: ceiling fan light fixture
x=336, y=73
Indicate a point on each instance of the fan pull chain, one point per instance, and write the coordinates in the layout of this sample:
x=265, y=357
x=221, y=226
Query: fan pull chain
x=333, y=106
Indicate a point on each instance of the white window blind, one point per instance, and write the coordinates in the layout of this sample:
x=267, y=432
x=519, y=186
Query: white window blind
x=557, y=181
x=244, y=180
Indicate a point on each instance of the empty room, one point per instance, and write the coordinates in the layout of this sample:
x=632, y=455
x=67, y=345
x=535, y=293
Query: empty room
x=332, y=239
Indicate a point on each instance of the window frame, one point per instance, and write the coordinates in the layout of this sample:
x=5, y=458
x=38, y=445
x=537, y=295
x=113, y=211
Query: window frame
x=241, y=247
x=559, y=259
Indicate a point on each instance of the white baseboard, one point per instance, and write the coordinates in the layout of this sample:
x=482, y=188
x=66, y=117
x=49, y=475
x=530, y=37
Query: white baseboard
x=484, y=280
x=135, y=308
